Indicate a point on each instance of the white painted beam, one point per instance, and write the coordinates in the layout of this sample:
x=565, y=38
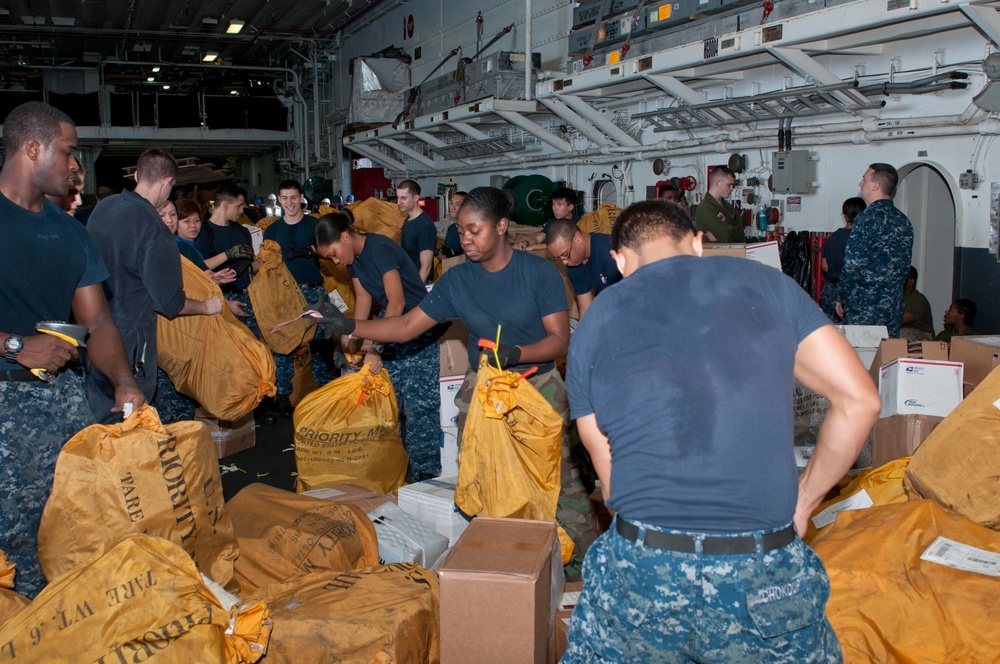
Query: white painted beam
x=408, y=151
x=602, y=123
x=575, y=119
x=536, y=130
x=986, y=19
x=377, y=156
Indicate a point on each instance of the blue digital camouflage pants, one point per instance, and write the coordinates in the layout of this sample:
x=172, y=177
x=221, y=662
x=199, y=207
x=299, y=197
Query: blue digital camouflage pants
x=36, y=420
x=251, y=320
x=574, y=511
x=414, y=367
x=642, y=604
x=171, y=405
x=321, y=357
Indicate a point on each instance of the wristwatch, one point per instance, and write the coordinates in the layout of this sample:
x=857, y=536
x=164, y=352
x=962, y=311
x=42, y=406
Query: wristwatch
x=12, y=346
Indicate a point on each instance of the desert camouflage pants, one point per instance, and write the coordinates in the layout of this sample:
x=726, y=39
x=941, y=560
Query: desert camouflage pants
x=642, y=604
x=574, y=512
x=36, y=420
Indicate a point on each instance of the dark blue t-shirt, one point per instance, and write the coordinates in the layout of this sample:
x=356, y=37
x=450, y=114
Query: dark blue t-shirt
x=517, y=297
x=452, y=241
x=379, y=256
x=190, y=252
x=302, y=234
x=688, y=367
x=418, y=235
x=600, y=270
x=47, y=255
x=833, y=252
x=214, y=239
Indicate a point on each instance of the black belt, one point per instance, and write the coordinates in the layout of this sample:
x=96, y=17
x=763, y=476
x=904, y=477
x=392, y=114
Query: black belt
x=316, y=285
x=18, y=376
x=713, y=545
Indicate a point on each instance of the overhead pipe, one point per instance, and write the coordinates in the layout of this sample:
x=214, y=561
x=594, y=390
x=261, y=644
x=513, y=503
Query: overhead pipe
x=528, y=65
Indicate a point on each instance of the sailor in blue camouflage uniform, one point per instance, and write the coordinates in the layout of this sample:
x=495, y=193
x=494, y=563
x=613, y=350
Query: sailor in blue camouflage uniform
x=877, y=259
x=703, y=563
x=382, y=272
x=51, y=270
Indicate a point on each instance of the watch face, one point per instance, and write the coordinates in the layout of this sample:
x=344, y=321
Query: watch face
x=13, y=344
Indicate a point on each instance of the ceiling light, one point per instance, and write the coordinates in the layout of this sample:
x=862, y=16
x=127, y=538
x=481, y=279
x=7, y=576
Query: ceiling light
x=233, y=92
x=156, y=70
x=150, y=78
x=63, y=21
x=166, y=87
x=234, y=27
x=211, y=56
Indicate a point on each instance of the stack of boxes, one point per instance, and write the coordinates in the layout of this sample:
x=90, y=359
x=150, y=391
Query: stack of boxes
x=454, y=364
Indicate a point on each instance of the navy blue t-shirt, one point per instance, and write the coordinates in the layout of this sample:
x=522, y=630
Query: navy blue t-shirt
x=688, y=367
x=222, y=239
x=47, y=255
x=452, y=240
x=190, y=252
x=517, y=297
x=418, y=235
x=600, y=270
x=833, y=252
x=379, y=256
x=302, y=234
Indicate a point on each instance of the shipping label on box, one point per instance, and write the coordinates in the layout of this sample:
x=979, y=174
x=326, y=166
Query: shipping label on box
x=341, y=493
x=449, y=388
x=920, y=387
x=765, y=252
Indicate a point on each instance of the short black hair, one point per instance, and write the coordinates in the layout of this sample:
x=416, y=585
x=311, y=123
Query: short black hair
x=290, y=184
x=228, y=191
x=887, y=178
x=852, y=207
x=463, y=194
x=564, y=194
x=155, y=165
x=32, y=120
x=331, y=226
x=410, y=186
x=968, y=310
x=560, y=229
x=648, y=221
x=667, y=187
x=912, y=275
x=490, y=203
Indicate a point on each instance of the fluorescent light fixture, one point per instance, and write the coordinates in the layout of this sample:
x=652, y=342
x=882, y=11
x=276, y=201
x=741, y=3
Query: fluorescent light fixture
x=156, y=70
x=233, y=92
x=234, y=27
x=211, y=56
x=150, y=78
x=166, y=87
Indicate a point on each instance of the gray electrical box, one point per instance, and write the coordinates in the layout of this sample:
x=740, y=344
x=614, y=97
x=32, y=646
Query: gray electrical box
x=790, y=172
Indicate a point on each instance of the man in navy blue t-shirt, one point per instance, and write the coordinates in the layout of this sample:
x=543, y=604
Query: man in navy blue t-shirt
x=587, y=257
x=680, y=379
x=418, y=235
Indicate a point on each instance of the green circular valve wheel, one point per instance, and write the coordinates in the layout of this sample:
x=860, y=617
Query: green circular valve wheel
x=534, y=198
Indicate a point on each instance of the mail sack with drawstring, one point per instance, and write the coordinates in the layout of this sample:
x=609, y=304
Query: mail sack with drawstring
x=277, y=298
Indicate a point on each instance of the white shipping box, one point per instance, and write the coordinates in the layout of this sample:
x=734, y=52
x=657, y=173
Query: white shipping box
x=256, y=237
x=910, y=386
x=449, y=451
x=449, y=387
x=766, y=253
x=433, y=502
x=403, y=538
x=865, y=340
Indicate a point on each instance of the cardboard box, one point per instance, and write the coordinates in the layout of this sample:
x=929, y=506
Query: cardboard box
x=890, y=349
x=403, y=538
x=899, y=436
x=714, y=249
x=342, y=493
x=229, y=437
x=500, y=586
x=256, y=237
x=449, y=387
x=979, y=354
x=920, y=387
x=570, y=598
x=454, y=346
x=865, y=340
x=448, y=263
x=449, y=451
x=433, y=502
x=765, y=252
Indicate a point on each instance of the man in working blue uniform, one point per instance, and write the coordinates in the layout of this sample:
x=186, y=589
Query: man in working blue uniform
x=145, y=275
x=295, y=231
x=51, y=270
x=224, y=234
x=418, y=235
x=877, y=259
x=587, y=257
x=702, y=562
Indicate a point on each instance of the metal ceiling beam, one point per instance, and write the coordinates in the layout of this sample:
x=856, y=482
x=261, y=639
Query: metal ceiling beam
x=434, y=142
x=408, y=151
x=605, y=125
x=804, y=65
x=578, y=121
x=468, y=130
x=377, y=156
x=536, y=130
x=986, y=19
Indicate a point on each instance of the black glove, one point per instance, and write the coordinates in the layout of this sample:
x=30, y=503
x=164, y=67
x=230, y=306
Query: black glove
x=301, y=252
x=239, y=251
x=509, y=355
x=333, y=321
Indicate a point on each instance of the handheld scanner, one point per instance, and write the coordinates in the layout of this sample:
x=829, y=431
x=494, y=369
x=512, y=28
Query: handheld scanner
x=74, y=334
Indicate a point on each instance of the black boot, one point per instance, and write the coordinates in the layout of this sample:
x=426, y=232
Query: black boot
x=284, y=405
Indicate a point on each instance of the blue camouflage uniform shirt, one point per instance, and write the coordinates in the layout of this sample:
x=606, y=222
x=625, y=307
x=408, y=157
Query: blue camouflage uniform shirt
x=876, y=264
